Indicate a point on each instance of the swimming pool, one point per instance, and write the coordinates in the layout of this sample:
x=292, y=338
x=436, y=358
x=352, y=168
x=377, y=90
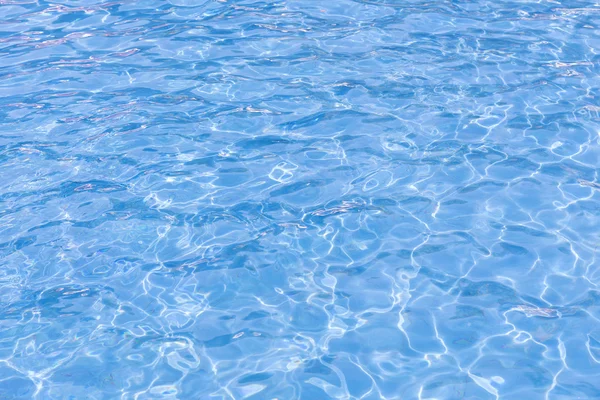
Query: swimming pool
x=299, y=199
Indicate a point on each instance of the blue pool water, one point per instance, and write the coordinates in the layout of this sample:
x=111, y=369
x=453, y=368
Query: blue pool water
x=345, y=199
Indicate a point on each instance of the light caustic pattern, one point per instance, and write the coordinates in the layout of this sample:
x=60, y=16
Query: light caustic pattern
x=299, y=199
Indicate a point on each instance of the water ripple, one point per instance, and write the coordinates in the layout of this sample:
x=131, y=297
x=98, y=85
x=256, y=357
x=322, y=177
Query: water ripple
x=357, y=199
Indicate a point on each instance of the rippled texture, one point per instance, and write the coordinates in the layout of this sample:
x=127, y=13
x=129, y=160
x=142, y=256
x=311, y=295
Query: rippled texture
x=299, y=199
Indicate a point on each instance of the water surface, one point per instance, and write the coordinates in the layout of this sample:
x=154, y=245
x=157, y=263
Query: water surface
x=340, y=199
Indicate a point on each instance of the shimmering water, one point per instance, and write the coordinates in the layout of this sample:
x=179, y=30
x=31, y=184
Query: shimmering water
x=301, y=199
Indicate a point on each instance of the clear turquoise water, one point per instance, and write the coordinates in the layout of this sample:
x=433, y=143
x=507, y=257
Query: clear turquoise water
x=299, y=199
